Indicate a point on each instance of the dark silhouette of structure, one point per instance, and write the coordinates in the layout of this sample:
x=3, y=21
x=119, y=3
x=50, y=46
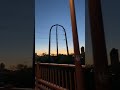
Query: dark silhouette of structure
x=114, y=57
x=82, y=60
x=57, y=38
x=82, y=49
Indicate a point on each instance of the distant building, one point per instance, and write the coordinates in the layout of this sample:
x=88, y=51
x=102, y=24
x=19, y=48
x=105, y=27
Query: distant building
x=82, y=60
x=82, y=49
x=114, y=57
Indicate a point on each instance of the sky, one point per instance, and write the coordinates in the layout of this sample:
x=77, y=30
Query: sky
x=16, y=31
x=17, y=28
x=111, y=21
x=51, y=12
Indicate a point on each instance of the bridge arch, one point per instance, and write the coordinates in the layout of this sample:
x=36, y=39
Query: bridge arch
x=57, y=38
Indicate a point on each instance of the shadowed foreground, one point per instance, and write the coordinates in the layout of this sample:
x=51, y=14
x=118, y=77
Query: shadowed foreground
x=16, y=89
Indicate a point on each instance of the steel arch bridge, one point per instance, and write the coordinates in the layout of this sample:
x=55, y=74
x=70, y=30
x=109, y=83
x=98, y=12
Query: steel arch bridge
x=56, y=25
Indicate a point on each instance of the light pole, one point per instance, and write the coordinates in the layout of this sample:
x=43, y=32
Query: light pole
x=78, y=69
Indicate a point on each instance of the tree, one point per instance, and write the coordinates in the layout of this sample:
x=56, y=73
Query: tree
x=2, y=66
x=21, y=67
x=44, y=54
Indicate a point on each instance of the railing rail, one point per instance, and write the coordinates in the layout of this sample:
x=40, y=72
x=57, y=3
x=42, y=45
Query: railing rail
x=55, y=76
x=58, y=65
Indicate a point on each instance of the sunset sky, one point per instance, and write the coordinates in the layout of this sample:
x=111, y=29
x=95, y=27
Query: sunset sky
x=51, y=12
x=17, y=28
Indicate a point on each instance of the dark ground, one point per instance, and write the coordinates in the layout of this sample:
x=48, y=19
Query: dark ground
x=13, y=89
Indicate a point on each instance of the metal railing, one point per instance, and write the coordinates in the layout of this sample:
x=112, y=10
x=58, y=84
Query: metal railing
x=51, y=76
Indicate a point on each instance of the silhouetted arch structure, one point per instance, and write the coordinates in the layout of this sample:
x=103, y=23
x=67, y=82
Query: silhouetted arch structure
x=57, y=38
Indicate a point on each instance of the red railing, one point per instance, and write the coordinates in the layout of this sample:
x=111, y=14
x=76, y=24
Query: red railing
x=50, y=76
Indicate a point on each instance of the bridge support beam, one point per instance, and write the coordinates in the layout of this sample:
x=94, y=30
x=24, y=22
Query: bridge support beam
x=98, y=45
x=78, y=71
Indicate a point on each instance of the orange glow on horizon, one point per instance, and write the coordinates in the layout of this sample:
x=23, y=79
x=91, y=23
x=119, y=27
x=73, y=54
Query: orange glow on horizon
x=61, y=51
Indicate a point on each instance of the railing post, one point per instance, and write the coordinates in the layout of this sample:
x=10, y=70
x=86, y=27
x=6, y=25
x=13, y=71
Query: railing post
x=78, y=67
x=37, y=76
